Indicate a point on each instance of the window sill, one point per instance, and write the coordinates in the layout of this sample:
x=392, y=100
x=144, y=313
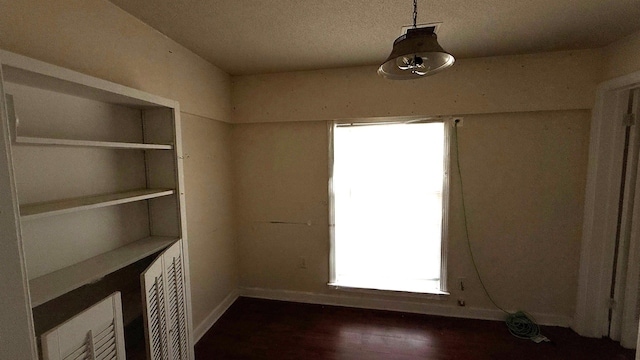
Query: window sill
x=429, y=294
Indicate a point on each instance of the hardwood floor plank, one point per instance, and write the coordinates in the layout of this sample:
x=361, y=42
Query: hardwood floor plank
x=265, y=329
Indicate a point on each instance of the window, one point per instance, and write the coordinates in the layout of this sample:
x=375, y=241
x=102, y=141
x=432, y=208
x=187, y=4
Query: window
x=389, y=195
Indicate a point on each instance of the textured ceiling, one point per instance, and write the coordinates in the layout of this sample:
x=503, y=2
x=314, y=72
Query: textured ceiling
x=260, y=36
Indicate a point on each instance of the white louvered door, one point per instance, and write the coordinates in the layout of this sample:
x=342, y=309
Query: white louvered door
x=95, y=334
x=176, y=309
x=165, y=309
x=154, y=311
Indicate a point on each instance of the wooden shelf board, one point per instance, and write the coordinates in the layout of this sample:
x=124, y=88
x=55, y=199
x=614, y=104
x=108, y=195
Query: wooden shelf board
x=88, y=143
x=37, y=210
x=57, y=283
x=30, y=72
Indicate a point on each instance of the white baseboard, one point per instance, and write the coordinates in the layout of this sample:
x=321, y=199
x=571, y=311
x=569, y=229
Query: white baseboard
x=367, y=302
x=370, y=302
x=211, y=319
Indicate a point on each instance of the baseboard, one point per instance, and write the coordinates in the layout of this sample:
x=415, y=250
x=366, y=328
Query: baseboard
x=211, y=319
x=367, y=302
x=371, y=302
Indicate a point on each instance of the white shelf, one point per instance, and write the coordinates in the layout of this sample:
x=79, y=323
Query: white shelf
x=38, y=210
x=52, y=285
x=23, y=70
x=88, y=143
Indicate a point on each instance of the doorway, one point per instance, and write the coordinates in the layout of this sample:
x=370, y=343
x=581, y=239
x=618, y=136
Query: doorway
x=609, y=278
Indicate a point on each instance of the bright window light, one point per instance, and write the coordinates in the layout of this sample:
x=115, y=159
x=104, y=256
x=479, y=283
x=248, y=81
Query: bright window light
x=388, y=206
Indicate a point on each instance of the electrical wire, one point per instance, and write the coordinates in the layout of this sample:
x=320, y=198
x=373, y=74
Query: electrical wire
x=520, y=324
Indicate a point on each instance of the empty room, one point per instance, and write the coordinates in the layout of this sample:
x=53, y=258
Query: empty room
x=406, y=179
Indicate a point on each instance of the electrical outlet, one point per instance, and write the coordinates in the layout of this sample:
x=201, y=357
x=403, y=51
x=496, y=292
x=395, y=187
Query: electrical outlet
x=302, y=263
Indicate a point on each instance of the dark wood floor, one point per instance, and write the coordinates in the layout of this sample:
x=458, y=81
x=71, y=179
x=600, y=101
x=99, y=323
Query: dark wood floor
x=265, y=329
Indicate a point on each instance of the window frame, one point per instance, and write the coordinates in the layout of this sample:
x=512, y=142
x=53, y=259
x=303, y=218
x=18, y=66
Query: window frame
x=448, y=123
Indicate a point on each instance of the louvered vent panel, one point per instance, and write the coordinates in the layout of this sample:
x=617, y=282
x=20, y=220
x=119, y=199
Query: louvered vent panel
x=182, y=310
x=95, y=334
x=162, y=318
x=82, y=352
x=166, y=312
x=173, y=313
x=154, y=312
x=104, y=344
x=154, y=323
x=177, y=311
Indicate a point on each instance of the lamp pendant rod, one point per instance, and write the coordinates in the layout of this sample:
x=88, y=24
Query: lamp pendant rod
x=415, y=13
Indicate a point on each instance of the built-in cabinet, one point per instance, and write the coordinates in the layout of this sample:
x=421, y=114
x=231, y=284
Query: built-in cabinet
x=164, y=307
x=91, y=172
x=96, y=333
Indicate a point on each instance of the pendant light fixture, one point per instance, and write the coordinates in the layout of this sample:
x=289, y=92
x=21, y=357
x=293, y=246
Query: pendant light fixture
x=415, y=54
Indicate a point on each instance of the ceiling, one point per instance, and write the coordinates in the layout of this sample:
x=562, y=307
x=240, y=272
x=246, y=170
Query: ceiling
x=252, y=36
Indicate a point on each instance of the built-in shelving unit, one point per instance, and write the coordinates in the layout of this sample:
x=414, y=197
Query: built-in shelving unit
x=50, y=208
x=94, y=175
x=85, y=143
x=57, y=283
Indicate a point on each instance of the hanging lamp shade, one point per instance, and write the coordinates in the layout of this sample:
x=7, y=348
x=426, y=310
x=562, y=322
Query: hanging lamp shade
x=414, y=55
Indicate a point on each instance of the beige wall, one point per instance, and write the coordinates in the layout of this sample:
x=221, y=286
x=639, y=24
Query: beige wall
x=208, y=184
x=524, y=176
x=281, y=175
x=548, y=81
x=524, y=149
x=97, y=38
x=622, y=57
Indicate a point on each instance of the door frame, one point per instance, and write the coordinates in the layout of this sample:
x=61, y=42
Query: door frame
x=601, y=206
